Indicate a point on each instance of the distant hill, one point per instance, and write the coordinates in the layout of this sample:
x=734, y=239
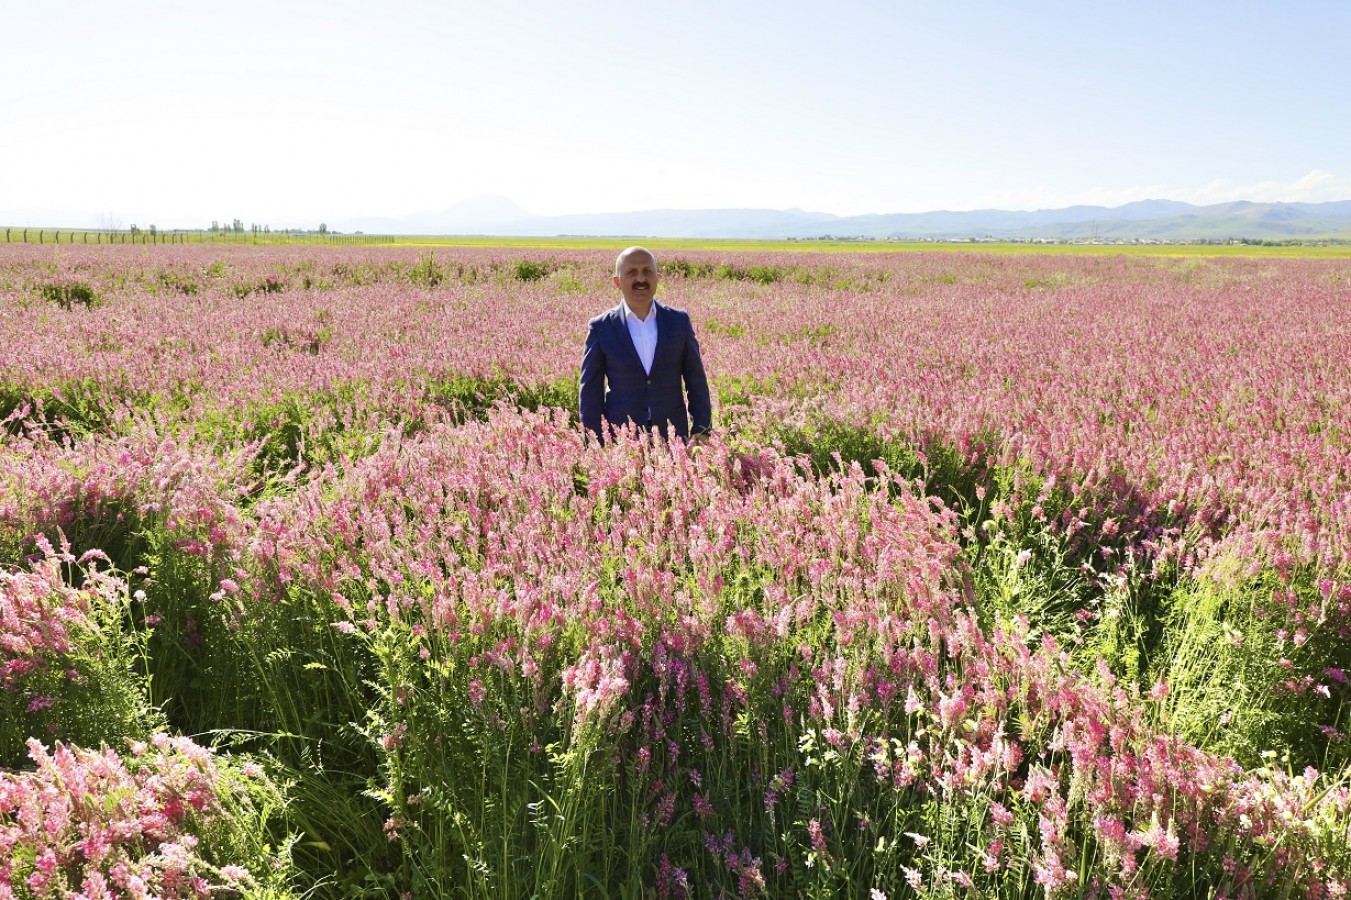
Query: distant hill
x=1154, y=220
x=1243, y=219
x=1163, y=220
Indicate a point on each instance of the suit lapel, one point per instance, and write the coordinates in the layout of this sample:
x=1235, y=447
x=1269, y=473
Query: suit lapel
x=663, y=331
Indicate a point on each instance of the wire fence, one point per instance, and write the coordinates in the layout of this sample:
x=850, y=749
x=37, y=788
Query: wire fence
x=144, y=236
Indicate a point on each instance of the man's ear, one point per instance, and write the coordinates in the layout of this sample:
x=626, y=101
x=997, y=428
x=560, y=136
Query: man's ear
x=615, y=279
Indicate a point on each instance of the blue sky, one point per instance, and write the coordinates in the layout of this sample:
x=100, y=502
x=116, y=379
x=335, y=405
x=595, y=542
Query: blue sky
x=292, y=113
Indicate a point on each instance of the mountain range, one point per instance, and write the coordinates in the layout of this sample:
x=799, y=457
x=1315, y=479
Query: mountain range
x=1156, y=220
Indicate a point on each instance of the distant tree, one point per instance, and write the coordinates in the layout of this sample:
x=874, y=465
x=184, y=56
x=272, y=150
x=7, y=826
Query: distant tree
x=323, y=228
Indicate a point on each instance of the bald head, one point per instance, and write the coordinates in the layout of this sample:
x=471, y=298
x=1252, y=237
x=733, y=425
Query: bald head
x=626, y=253
x=636, y=277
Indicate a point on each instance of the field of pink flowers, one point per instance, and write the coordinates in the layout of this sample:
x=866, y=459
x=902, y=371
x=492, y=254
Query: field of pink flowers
x=1002, y=576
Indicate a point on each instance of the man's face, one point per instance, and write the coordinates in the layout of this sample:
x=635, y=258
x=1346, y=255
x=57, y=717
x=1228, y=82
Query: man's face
x=637, y=279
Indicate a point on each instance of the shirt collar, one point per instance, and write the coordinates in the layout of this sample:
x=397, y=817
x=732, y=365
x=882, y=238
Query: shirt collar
x=630, y=314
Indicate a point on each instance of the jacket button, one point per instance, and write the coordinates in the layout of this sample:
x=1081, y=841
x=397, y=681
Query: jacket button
x=649, y=381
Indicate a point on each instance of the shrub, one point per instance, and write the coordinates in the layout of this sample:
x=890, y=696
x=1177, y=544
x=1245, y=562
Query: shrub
x=530, y=270
x=70, y=294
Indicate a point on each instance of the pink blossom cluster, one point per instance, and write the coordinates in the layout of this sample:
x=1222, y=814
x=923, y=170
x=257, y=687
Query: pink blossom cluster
x=1207, y=397
x=1197, y=407
x=49, y=485
x=86, y=824
x=663, y=598
x=517, y=521
x=375, y=346
x=47, y=624
x=606, y=581
x=38, y=613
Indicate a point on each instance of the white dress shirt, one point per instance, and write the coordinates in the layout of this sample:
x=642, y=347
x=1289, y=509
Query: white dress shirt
x=644, y=334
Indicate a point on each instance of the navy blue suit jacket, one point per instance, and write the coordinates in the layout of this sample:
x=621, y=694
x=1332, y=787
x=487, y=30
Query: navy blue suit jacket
x=615, y=387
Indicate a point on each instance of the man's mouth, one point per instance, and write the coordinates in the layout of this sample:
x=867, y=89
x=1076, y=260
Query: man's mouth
x=640, y=286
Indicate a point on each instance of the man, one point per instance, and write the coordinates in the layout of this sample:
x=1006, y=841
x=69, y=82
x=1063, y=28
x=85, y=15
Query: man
x=641, y=359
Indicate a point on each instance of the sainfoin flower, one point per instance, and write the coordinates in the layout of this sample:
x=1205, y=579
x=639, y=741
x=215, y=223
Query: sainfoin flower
x=88, y=822
x=1147, y=415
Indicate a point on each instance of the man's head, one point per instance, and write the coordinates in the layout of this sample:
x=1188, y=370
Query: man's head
x=636, y=277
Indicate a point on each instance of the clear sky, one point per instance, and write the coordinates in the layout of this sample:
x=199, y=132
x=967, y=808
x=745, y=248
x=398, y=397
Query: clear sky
x=292, y=112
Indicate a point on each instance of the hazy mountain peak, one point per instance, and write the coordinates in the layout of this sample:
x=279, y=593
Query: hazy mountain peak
x=1154, y=219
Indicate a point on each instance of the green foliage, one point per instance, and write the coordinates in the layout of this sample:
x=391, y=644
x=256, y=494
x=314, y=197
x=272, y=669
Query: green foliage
x=92, y=695
x=687, y=269
x=1242, y=683
x=310, y=340
x=426, y=274
x=530, y=270
x=294, y=431
x=185, y=283
x=713, y=326
x=1051, y=282
x=818, y=334
x=469, y=396
x=568, y=281
x=70, y=294
x=763, y=274
x=75, y=408
x=299, y=691
x=267, y=284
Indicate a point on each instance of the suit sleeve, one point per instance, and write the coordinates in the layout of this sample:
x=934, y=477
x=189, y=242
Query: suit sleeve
x=591, y=392
x=696, y=386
